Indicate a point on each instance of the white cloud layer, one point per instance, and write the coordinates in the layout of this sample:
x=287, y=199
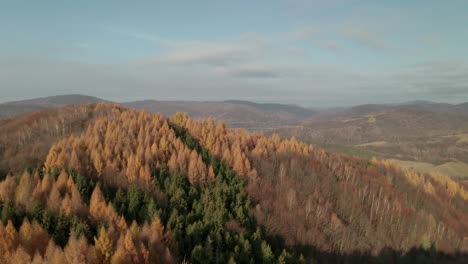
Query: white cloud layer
x=306, y=65
x=310, y=85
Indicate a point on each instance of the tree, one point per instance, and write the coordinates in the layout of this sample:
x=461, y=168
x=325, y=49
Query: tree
x=267, y=254
x=61, y=229
x=172, y=164
x=97, y=162
x=120, y=201
x=145, y=175
x=39, y=238
x=37, y=259
x=97, y=205
x=7, y=188
x=25, y=236
x=20, y=256
x=54, y=254
x=79, y=251
x=133, y=168
x=62, y=181
x=76, y=202
x=126, y=251
x=10, y=212
x=103, y=247
x=75, y=252
x=211, y=173
x=151, y=210
x=75, y=161
x=24, y=190
x=66, y=205
x=54, y=200
x=135, y=203
x=9, y=239
x=199, y=255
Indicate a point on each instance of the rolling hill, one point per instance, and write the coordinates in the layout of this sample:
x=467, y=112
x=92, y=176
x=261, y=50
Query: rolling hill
x=236, y=113
x=418, y=132
x=242, y=114
x=10, y=109
x=421, y=135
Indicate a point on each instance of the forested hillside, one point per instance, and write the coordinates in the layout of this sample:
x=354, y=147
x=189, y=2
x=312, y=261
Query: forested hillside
x=430, y=138
x=126, y=186
x=338, y=203
x=11, y=109
x=25, y=140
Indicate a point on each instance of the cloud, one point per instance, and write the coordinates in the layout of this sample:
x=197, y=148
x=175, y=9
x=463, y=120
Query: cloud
x=139, y=35
x=239, y=57
x=277, y=67
x=206, y=53
x=254, y=71
x=306, y=84
x=365, y=37
x=43, y=77
x=229, y=51
x=39, y=77
x=332, y=46
x=435, y=79
x=305, y=32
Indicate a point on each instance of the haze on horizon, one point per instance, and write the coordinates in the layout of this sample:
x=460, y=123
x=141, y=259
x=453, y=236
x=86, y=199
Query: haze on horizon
x=313, y=53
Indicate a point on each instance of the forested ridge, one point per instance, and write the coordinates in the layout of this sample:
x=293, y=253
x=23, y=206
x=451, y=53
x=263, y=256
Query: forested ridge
x=127, y=186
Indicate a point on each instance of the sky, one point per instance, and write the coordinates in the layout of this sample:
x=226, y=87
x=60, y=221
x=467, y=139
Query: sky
x=318, y=53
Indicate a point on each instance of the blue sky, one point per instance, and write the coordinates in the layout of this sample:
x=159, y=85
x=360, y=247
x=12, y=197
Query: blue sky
x=314, y=53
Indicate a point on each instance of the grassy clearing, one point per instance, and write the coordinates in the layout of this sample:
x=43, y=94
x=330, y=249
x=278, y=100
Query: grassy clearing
x=373, y=144
x=349, y=150
x=462, y=138
x=371, y=119
x=455, y=169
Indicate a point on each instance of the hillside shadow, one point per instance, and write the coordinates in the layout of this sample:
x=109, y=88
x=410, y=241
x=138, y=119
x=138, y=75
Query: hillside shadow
x=388, y=255
x=3, y=174
x=416, y=255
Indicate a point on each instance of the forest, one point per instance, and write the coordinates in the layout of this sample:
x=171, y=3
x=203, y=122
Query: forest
x=101, y=183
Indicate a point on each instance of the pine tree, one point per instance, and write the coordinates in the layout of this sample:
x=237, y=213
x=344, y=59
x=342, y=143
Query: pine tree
x=61, y=229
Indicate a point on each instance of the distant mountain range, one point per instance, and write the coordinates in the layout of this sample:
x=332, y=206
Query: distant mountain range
x=235, y=112
x=229, y=110
x=428, y=136
x=11, y=109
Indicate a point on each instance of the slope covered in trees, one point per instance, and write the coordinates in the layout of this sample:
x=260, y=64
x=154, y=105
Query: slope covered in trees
x=15, y=108
x=134, y=187
x=429, y=133
x=25, y=140
x=337, y=203
x=133, y=174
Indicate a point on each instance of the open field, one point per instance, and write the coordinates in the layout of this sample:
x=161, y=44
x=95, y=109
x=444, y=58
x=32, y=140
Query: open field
x=462, y=138
x=349, y=150
x=455, y=169
x=373, y=144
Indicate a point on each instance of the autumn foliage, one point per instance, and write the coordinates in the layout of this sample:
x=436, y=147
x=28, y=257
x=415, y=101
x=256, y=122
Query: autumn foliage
x=335, y=202
x=123, y=149
x=132, y=187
